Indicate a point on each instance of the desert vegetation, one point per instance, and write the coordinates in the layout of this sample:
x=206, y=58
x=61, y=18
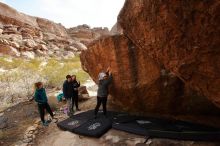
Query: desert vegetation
x=18, y=75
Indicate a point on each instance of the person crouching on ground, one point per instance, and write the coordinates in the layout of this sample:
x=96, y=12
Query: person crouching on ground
x=68, y=93
x=41, y=98
x=105, y=78
x=76, y=85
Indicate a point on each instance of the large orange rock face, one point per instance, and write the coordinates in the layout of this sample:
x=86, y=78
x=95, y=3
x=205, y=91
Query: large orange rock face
x=140, y=84
x=184, y=36
x=166, y=61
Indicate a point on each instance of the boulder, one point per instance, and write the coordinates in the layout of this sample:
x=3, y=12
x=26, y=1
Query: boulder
x=15, y=37
x=140, y=84
x=10, y=29
x=71, y=48
x=78, y=45
x=4, y=41
x=28, y=31
x=83, y=90
x=86, y=34
x=68, y=54
x=14, y=44
x=27, y=36
x=53, y=47
x=138, y=80
x=181, y=38
x=83, y=93
x=8, y=50
x=39, y=52
x=41, y=47
x=29, y=43
x=28, y=54
x=51, y=27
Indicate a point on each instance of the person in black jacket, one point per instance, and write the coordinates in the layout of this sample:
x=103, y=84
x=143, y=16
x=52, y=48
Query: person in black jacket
x=76, y=85
x=68, y=93
x=105, y=78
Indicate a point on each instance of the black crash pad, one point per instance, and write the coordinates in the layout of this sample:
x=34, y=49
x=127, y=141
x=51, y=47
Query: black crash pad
x=131, y=127
x=70, y=124
x=95, y=127
x=85, y=124
x=161, y=128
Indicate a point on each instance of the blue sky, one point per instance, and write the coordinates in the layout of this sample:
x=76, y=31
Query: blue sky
x=96, y=13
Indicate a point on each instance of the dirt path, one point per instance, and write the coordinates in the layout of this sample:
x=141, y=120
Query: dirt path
x=53, y=136
x=17, y=119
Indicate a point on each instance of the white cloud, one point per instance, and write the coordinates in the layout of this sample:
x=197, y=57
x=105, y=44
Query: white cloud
x=76, y=12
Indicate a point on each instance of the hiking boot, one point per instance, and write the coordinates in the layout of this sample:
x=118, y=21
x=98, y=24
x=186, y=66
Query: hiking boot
x=49, y=121
x=45, y=123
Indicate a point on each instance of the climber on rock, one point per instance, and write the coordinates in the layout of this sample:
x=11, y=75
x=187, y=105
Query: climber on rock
x=105, y=78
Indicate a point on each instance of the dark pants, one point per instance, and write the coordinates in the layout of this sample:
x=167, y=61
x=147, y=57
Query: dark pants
x=71, y=101
x=41, y=108
x=103, y=101
x=75, y=100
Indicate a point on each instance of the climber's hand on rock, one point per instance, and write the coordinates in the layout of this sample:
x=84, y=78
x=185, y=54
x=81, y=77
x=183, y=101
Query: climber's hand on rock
x=108, y=69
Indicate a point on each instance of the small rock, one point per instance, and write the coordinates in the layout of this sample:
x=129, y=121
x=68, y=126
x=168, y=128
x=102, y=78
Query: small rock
x=30, y=132
x=35, y=132
x=37, y=121
x=25, y=136
x=31, y=128
x=39, y=52
x=36, y=125
x=28, y=54
x=27, y=140
x=29, y=135
x=30, y=43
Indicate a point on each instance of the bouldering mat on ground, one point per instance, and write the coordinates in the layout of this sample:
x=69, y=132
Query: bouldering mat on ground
x=70, y=124
x=95, y=127
x=173, y=129
x=85, y=124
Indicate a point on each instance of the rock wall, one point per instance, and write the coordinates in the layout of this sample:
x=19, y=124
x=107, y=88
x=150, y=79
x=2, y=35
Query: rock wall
x=167, y=59
x=10, y=16
x=26, y=36
x=184, y=36
x=86, y=34
x=140, y=84
x=51, y=27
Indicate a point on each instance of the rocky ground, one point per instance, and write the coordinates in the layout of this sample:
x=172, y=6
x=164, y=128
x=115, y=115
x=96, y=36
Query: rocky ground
x=22, y=127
